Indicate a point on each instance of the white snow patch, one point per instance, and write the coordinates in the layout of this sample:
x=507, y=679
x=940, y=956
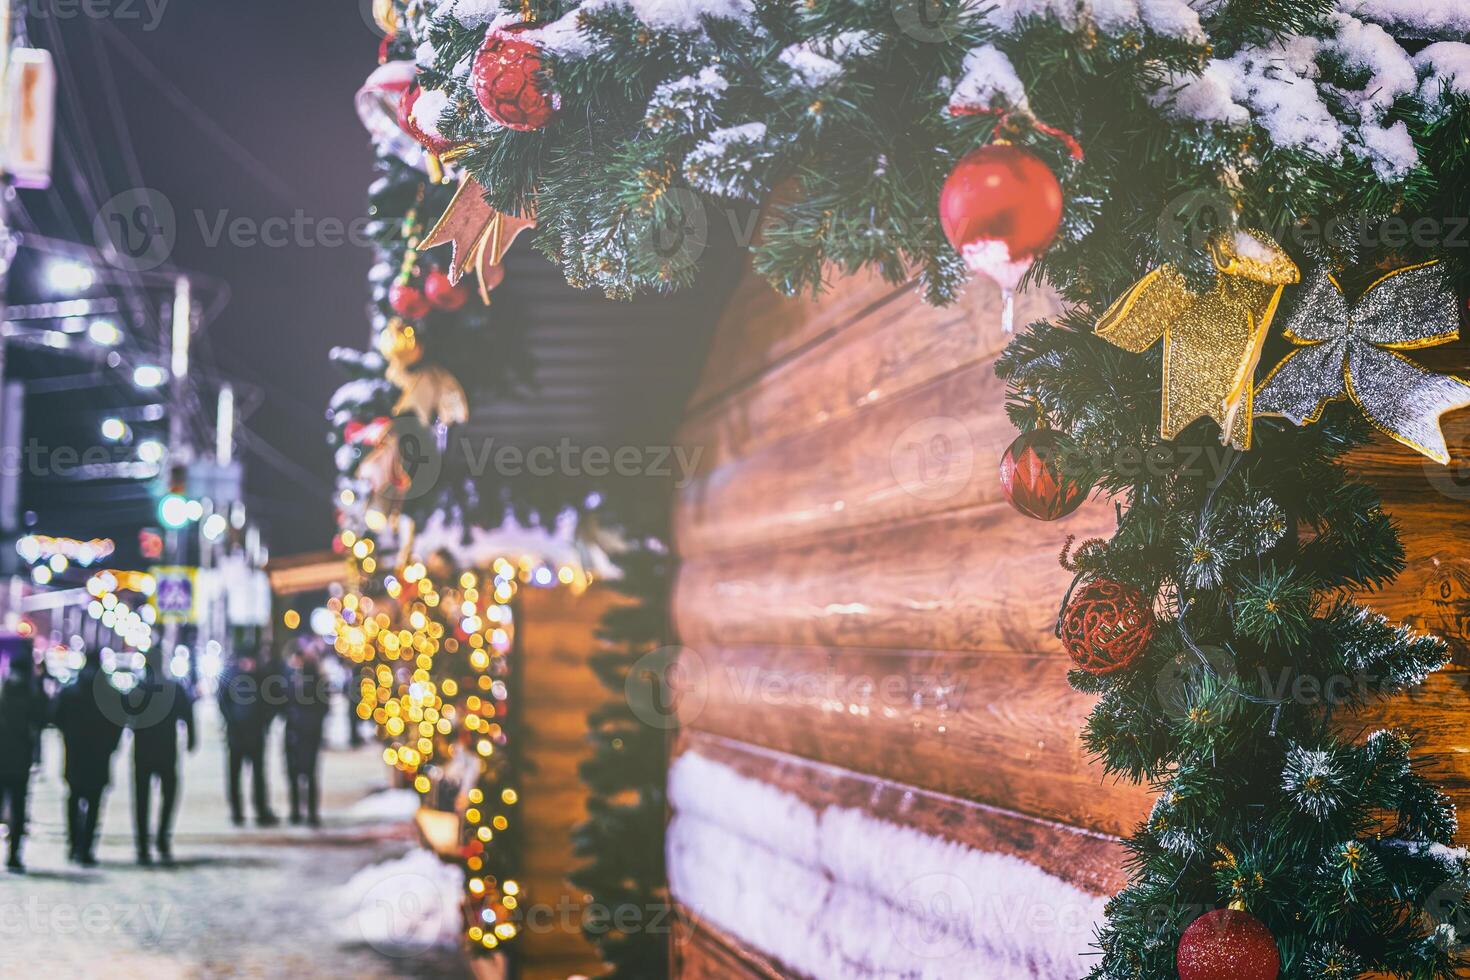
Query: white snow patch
x=1370, y=48
x=1414, y=18
x=357, y=392
x=1174, y=18
x=404, y=906
x=990, y=81
x=1391, y=150
x=1205, y=97
x=817, y=889
x=429, y=109
x=389, y=804
x=1444, y=68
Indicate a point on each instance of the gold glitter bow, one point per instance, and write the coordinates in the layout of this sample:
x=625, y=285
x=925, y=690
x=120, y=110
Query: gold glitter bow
x=1212, y=341
x=1351, y=351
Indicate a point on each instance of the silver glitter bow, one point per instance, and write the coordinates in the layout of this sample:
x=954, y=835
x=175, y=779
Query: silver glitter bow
x=1353, y=352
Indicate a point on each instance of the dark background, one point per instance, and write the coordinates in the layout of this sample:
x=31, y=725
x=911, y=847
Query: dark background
x=227, y=107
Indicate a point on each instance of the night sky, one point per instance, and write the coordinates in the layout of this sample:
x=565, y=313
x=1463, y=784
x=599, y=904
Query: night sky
x=244, y=109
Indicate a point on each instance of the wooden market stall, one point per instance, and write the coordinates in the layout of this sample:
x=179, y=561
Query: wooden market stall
x=869, y=662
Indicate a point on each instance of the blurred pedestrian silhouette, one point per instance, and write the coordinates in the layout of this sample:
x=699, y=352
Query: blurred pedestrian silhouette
x=23, y=712
x=247, y=717
x=162, y=704
x=308, y=700
x=89, y=713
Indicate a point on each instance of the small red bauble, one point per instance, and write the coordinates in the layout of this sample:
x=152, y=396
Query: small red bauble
x=506, y=79
x=437, y=145
x=1106, y=626
x=1001, y=208
x=443, y=294
x=1033, y=474
x=1228, y=944
x=408, y=301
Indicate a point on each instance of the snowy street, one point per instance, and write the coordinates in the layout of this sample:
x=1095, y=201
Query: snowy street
x=241, y=902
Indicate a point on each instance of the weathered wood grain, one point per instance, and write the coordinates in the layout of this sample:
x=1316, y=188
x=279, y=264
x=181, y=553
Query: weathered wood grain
x=982, y=579
x=929, y=450
x=702, y=952
x=995, y=729
x=759, y=327
x=892, y=346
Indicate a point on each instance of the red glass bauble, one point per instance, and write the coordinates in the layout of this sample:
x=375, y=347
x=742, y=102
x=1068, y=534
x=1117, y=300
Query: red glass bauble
x=409, y=301
x=1106, y=626
x=1033, y=474
x=1227, y=944
x=1001, y=207
x=508, y=79
x=437, y=145
x=443, y=294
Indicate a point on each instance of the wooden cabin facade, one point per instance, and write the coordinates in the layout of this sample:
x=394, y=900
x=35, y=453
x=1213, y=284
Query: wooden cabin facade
x=879, y=767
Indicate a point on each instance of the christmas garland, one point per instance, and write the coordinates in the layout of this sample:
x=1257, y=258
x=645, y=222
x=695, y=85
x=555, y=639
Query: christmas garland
x=435, y=647
x=1187, y=175
x=635, y=129
x=623, y=839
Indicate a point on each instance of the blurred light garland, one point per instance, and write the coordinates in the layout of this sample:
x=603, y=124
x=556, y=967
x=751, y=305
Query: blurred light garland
x=434, y=644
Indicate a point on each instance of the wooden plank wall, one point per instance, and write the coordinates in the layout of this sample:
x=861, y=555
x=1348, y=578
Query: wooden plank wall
x=555, y=634
x=846, y=529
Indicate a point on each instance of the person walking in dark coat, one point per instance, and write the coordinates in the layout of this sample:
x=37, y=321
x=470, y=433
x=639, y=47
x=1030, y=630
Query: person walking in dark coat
x=247, y=715
x=89, y=713
x=308, y=700
x=22, y=716
x=162, y=704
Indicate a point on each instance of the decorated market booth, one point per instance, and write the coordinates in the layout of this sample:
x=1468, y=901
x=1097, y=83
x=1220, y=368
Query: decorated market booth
x=1069, y=581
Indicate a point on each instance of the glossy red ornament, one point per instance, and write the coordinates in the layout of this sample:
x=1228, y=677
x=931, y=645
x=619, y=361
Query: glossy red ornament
x=1106, y=626
x=1228, y=944
x=409, y=301
x=443, y=294
x=355, y=431
x=437, y=145
x=1001, y=207
x=1033, y=474
x=507, y=78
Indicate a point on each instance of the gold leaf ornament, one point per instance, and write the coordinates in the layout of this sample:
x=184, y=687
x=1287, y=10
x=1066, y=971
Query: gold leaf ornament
x=479, y=236
x=1212, y=340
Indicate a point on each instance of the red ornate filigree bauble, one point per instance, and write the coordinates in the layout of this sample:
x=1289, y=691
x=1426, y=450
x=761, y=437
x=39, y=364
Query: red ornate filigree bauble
x=437, y=145
x=443, y=294
x=409, y=301
x=1106, y=626
x=1228, y=944
x=1001, y=207
x=508, y=80
x=1033, y=474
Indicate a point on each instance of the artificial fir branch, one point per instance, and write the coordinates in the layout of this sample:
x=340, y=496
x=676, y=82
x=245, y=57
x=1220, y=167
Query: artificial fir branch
x=622, y=841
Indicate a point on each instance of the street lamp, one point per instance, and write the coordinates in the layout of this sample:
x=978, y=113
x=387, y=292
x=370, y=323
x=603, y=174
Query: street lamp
x=104, y=333
x=149, y=376
x=66, y=276
x=150, y=451
x=114, y=429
